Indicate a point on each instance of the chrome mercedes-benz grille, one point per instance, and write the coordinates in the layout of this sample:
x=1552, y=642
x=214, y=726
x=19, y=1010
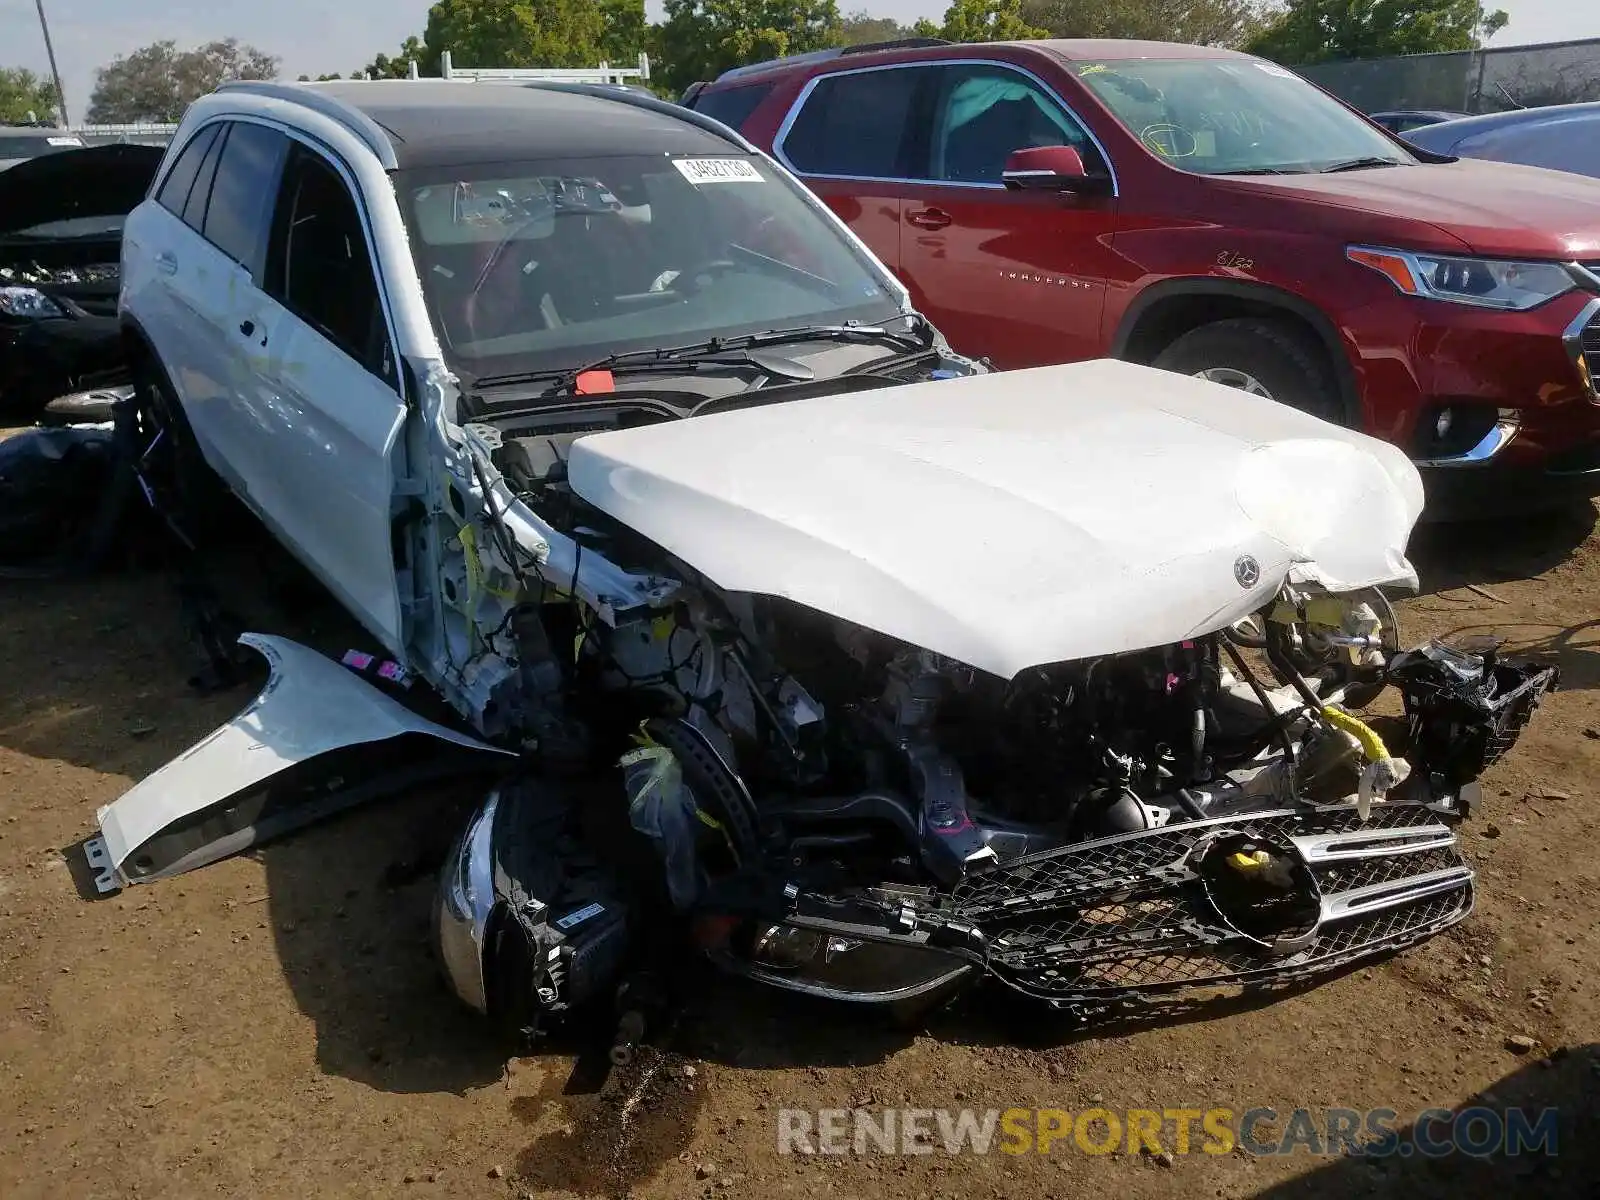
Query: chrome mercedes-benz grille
x=1128, y=920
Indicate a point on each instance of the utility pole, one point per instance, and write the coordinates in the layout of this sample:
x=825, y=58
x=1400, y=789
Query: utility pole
x=55, y=73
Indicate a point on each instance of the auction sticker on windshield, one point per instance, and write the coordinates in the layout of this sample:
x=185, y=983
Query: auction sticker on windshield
x=717, y=170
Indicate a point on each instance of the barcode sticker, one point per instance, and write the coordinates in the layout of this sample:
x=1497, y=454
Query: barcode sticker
x=717, y=170
x=579, y=917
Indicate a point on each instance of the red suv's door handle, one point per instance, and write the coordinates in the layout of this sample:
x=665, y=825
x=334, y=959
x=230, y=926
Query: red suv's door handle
x=929, y=218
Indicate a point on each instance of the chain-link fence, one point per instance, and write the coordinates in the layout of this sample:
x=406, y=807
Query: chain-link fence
x=1471, y=81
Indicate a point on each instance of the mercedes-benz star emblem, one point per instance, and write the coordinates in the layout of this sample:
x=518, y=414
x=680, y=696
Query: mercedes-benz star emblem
x=1247, y=571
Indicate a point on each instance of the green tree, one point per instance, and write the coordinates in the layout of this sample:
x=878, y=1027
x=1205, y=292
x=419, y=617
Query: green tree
x=702, y=38
x=1229, y=23
x=858, y=28
x=398, y=67
x=22, y=92
x=627, y=32
x=988, y=21
x=157, y=82
x=514, y=33
x=1312, y=31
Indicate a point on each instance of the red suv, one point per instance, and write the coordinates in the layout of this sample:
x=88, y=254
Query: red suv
x=1215, y=214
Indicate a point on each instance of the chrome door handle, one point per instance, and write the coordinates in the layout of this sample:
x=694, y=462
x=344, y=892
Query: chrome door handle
x=167, y=263
x=929, y=218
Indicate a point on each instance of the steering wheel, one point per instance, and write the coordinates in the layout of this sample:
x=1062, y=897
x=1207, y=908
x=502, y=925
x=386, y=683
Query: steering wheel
x=707, y=271
x=499, y=257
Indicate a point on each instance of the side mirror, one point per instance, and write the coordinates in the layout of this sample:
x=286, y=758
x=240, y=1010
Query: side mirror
x=1050, y=169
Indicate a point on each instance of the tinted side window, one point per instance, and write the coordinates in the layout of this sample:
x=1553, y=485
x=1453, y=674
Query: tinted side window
x=194, y=212
x=241, y=196
x=855, y=125
x=175, y=188
x=983, y=113
x=732, y=106
x=319, y=266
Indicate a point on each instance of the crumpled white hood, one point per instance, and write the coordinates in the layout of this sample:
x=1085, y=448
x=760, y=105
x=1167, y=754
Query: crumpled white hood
x=1017, y=519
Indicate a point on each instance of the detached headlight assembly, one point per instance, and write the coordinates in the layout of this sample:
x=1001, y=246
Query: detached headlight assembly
x=27, y=302
x=1481, y=282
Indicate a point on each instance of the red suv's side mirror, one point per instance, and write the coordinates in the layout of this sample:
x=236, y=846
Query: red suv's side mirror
x=1049, y=169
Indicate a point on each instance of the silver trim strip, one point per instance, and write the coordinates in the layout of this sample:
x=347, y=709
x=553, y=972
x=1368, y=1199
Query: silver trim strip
x=787, y=60
x=1358, y=902
x=927, y=64
x=1585, y=278
x=1319, y=849
x=1572, y=339
x=1496, y=440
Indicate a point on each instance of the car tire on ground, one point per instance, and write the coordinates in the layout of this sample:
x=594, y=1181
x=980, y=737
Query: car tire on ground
x=1267, y=358
x=189, y=492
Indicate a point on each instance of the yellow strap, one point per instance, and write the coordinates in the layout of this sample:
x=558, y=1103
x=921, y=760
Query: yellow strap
x=469, y=547
x=476, y=580
x=1371, y=744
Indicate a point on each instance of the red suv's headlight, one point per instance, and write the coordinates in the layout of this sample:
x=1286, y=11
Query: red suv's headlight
x=1481, y=282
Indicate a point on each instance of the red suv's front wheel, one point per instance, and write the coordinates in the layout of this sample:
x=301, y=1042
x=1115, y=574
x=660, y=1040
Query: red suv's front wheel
x=1271, y=359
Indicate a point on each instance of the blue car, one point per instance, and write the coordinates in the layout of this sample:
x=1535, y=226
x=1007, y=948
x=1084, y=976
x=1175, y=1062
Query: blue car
x=1408, y=119
x=1563, y=137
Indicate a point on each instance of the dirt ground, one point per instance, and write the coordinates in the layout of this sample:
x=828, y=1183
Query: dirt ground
x=274, y=1024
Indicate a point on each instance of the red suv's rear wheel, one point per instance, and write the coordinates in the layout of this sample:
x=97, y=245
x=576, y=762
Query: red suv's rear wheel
x=1271, y=359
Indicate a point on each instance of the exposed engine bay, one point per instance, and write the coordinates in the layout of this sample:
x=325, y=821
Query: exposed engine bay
x=35, y=274
x=837, y=812
x=864, y=741
x=61, y=220
x=785, y=635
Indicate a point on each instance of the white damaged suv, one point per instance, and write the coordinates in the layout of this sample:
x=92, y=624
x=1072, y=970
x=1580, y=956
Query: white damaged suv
x=904, y=673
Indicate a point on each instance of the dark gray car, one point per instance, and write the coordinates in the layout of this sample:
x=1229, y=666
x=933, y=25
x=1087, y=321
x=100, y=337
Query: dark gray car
x=1563, y=137
x=18, y=143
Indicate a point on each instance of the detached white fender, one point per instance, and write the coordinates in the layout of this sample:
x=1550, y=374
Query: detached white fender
x=316, y=740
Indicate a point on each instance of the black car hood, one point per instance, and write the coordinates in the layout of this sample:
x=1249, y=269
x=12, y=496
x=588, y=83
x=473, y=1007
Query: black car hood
x=97, y=181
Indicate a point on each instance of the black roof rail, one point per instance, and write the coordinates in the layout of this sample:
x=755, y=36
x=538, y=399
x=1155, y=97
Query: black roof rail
x=910, y=43
x=817, y=56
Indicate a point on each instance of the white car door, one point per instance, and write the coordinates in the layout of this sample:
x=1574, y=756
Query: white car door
x=182, y=284
x=323, y=394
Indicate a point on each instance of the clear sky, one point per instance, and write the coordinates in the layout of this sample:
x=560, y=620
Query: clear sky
x=316, y=36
